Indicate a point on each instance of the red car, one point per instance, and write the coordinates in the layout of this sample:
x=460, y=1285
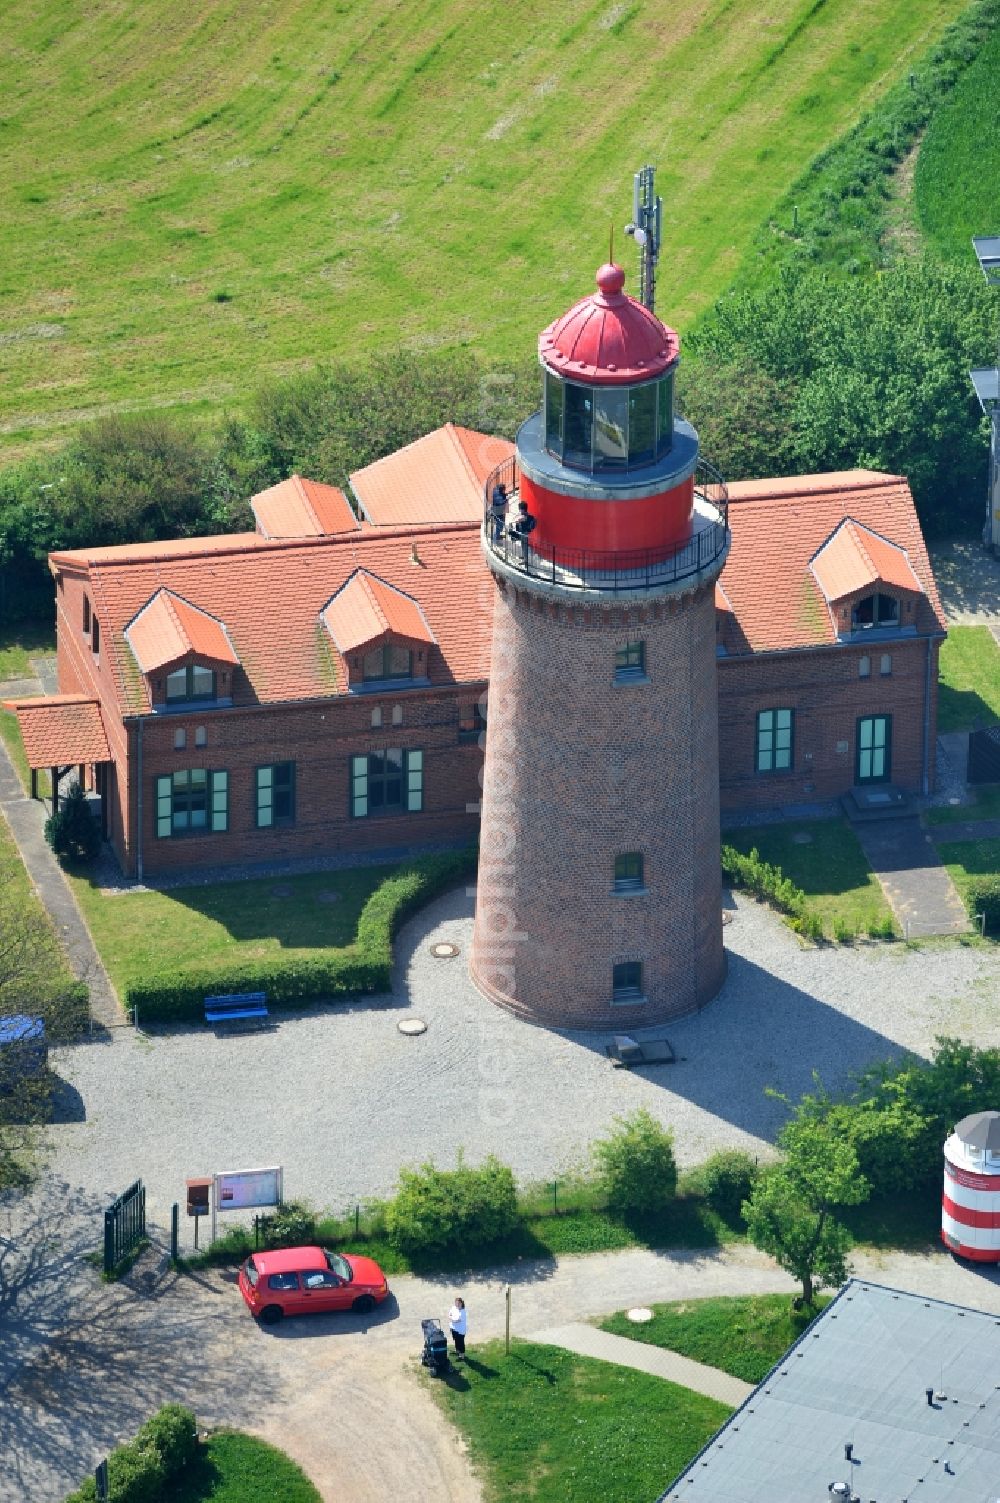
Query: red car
x=299, y=1280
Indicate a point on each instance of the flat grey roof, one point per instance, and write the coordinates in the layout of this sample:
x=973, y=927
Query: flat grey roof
x=860, y=1375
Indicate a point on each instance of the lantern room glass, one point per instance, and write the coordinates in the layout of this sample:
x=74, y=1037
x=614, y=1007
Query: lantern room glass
x=603, y=429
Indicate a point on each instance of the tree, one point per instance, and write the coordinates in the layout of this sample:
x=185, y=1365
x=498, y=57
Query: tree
x=635, y=1165
x=790, y=1212
x=73, y=833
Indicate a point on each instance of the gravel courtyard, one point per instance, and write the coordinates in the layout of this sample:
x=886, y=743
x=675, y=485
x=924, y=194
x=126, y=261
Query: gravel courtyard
x=340, y=1098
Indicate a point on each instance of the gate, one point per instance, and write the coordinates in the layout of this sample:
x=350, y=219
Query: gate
x=124, y=1225
x=984, y=756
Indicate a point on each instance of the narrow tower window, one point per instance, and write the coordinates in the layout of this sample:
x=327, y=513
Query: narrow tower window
x=626, y=982
x=629, y=872
x=630, y=662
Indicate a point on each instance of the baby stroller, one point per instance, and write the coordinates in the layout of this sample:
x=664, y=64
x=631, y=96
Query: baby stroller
x=435, y=1352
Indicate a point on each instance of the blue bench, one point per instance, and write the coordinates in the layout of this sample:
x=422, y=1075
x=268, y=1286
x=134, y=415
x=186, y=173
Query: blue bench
x=239, y=1007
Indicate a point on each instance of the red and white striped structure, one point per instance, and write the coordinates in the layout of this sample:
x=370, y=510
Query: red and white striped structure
x=970, y=1205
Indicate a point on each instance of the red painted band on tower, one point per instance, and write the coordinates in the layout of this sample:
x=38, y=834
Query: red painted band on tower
x=650, y=526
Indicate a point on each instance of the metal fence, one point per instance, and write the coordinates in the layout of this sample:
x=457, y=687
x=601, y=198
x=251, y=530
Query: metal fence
x=618, y=573
x=124, y=1225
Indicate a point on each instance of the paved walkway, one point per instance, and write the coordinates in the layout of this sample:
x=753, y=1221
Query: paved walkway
x=26, y=818
x=968, y=581
x=966, y=829
x=919, y=890
x=588, y=1341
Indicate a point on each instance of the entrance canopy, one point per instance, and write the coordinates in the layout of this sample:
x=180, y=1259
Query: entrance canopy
x=60, y=730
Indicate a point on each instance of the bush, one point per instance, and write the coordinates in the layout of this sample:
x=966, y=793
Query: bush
x=292, y=1225
x=769, y=883
x=726, y=1180
x=73, y=833
x=173, y=1430
x=982, y=895
x=438, y=1209
x=140, y=1470
x=364, y=967
x=635, y=1165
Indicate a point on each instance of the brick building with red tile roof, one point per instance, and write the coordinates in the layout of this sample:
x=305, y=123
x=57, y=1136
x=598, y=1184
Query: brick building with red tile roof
x=316, y=685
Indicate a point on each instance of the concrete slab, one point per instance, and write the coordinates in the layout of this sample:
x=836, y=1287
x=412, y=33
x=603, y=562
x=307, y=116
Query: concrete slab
x=918, y=889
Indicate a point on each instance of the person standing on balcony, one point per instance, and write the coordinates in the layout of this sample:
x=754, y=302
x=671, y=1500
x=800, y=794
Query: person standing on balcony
x=499, y=503
x=523, y=526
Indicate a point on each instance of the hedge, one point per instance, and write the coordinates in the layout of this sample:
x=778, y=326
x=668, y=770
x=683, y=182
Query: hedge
x=771, y=886
x=178, y=994
x=982, y=896
x=142, y=1470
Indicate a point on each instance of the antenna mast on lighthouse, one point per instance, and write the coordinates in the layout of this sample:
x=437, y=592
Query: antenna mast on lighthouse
x=647, y=217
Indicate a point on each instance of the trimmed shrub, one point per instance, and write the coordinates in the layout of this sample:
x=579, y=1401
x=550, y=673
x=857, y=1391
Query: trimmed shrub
x=635, y=1165
x=437, y=1209
x=982, y=895
x=140, y=1470
x=178, y=995
x=768, y=883
x=726, y=1180
x=173, y=1430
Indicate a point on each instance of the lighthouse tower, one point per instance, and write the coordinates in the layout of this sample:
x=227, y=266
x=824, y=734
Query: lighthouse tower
x=599, y=900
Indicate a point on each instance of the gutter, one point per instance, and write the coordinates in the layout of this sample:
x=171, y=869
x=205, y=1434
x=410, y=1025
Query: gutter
x=138, y=800
x=925, y=769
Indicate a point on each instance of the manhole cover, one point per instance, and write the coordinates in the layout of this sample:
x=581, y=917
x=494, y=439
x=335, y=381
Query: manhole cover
x=411, y=1027
x=954, y=801
x=328, y=896
x=640, y=1315
x=727, y=916
x=802, y=837
x=281, y=891
x=444, y=951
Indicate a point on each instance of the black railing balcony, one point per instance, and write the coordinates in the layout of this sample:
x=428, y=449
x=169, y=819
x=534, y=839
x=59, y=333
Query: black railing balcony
x=618, y=573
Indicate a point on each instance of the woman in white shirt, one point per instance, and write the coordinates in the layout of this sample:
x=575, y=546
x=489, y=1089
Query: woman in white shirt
x=458, y=1320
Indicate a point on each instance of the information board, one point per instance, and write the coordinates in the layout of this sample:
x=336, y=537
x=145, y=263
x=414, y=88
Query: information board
x=243, y=1189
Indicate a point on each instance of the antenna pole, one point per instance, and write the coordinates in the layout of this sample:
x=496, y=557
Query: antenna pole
x=648, y=212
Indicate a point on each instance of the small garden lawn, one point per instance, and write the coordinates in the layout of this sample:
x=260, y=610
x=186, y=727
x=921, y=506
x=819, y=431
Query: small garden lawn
x=824, y=859
x=236, y=1468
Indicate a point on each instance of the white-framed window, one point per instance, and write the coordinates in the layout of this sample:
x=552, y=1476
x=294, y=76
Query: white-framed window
x=390, y=781
x=192, y=801
x=275, y=787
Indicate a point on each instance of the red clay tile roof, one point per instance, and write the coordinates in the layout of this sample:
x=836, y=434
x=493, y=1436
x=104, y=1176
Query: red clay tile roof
x=231, y=542
x=168, y=628
x=855, y=558
x=439, y=478
x=366, y=609
x=300, y=508
x=61, y=729
x=778, y=526
x=270, y=594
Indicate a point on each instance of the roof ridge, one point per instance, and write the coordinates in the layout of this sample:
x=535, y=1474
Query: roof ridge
x=452, y=432
x=367, y=581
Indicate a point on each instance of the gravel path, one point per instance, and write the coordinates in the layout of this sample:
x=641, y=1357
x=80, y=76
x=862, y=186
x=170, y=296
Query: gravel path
x=341, y=1099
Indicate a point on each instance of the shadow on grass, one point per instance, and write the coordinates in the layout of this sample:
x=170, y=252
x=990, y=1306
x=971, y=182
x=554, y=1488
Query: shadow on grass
x=962, y=710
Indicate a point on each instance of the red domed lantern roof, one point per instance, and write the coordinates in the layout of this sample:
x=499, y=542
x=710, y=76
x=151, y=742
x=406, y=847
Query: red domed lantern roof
x=609, y=338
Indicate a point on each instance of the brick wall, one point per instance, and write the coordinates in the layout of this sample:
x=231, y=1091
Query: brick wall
x=828, y=696
x=579, y=769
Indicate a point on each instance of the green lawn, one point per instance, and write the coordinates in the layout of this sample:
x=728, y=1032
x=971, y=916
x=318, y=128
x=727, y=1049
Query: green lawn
x=957, y=184
x=969, y=679
x=551, y=1427
x=830, y=868
x=985, y=806
x=225, y=923
x=236, y=1468
x=744, y=1336
x=22, y=640
x=227, y=190
x=970, y=858
x=18, y=899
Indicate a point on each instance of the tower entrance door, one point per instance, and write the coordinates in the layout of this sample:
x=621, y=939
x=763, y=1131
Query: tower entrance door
x=874, y=749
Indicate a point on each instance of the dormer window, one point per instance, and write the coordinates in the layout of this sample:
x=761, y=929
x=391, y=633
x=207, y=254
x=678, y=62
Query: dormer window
x=387, y=662
x=875, y=610
x=190, y=683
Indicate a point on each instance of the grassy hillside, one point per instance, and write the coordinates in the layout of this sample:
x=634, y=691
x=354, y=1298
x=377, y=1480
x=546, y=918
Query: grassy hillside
x=197, y=195
x=957, y=182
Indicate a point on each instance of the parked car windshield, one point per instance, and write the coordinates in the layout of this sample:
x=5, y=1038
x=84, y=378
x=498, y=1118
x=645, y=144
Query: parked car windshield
x=339, y=1266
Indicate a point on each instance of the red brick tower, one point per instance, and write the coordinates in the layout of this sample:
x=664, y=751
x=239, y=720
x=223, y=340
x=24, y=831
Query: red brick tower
x=599, y=882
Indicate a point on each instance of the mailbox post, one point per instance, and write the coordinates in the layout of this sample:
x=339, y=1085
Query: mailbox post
x=199, y=1200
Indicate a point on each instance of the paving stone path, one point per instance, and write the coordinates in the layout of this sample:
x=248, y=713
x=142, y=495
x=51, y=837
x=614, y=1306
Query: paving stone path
x=918, y=888
x=588, y=1341
x=26, y=818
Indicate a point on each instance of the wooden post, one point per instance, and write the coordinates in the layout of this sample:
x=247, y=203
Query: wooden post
x=507, y=1333
x=34, y=782
x=54, y=775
